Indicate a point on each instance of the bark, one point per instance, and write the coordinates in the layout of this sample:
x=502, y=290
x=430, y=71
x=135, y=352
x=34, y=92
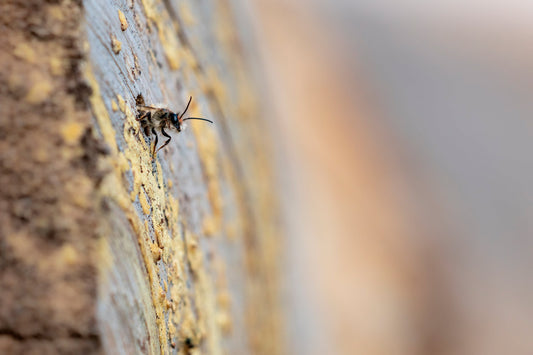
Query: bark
x=103, y=248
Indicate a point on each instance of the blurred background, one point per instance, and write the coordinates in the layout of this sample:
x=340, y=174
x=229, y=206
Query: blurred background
x=404, y=135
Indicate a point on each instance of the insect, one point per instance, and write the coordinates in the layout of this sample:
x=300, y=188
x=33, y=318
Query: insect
x=157, y=118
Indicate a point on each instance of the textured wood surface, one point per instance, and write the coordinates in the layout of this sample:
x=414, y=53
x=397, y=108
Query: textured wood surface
x=188, y=261
x=123, y=253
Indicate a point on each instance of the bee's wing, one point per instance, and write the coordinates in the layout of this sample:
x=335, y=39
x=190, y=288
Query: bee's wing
x=148, y=108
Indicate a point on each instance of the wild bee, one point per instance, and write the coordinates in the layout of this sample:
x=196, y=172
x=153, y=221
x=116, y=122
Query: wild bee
x=157, y=118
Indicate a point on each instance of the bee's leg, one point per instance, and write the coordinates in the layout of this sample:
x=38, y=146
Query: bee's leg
x=144, y=117
x=166, y=135
x=155, y=143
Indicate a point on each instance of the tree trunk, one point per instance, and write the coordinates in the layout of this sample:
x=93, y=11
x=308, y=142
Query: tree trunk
x=104, y=248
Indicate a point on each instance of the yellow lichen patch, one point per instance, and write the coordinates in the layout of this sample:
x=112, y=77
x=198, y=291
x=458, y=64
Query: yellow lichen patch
x=232, y=229
x=167, y=30
x=39, y=91
x=144, y=202
x=224, y=299
x=136, y=152
x=169, y=41
x=188, y=329
x=172, y=209
x=189, y=59
x=205, y=300
x=113, y=188
x=55, y=12
x=105, y=259
x=160, y=306
x=72, y=131
x=156, y=252
x=159, y=173
x=122, y=164
x=85, y=45
x=120, y=196
x=207, y=146
x=149, y=183
x=57, y=65
x=193, y=253
x=116, y=45
x=121, y=103
x=149, y=9
x=123, y=22
x=100, y=112
x=186, y=14
x=161, y=233
x=211, y=82
x=114, y=106
x=68, y=255
x=224, y=322
x=137, y=66
x=176, y=293
x=171, y=331
x=80, y=190
x=162, y=296
x=24, y=51
x=247, y=100
x=209, y=226
x=159, y=236
x=169, y=183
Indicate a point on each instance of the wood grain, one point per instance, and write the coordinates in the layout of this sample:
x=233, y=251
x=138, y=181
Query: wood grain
x=105, y=248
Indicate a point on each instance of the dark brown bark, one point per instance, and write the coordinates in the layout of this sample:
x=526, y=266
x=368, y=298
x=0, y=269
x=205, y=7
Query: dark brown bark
x=48, y=199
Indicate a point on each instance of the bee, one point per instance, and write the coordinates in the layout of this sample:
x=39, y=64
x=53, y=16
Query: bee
x=153, y=119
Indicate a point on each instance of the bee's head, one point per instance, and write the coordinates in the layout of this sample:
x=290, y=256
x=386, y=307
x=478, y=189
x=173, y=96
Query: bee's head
x=175, y=120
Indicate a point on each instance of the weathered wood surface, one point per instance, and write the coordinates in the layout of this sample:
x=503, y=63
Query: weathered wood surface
x=181, y=249
x=188, y=258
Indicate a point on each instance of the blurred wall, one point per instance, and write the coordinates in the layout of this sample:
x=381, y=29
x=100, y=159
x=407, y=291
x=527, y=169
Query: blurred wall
x=404, y=136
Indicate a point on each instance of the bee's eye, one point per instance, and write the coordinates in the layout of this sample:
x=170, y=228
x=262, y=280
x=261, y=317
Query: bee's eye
x=174, y=118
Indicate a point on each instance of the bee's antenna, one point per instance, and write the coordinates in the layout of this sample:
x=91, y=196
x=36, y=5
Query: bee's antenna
x=197, y=118
x=187, y=107
x=192, y=118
